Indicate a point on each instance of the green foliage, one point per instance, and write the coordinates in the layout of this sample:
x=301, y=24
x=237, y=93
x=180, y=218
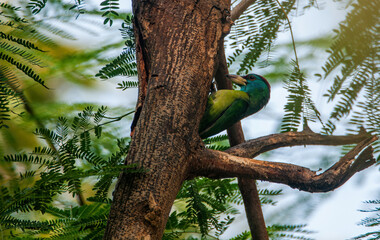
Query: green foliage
x=206, y=200
x=16, y=51
x=36, y=5
x=204, y=208
x=27, y=70
x=354, y=60
x=61, y=168
x=280, y=232
x=8, y=6
x=288, y=232
x=109, y=7
x=81, y=222
x=79, y=6
x=242, y=236
x=354, y=64
x=124, y=85
x=8, y=94
x=216, y=139
x=299, y=105
x=125, y=63
x=21, y=54
x=373, y=222
x=255, y=31
x=22, y=42
x=266, y=196
x=219, y=142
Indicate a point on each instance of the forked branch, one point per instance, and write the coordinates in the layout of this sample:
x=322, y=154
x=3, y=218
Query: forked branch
x=216, y=164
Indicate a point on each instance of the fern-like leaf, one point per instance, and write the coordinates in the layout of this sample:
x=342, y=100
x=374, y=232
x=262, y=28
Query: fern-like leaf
x=299, y=105
x=36, y=5
x=354, y=56
x=109, y=7
x=9, y=6
x=27, y=70
x=255, y=32
x=123, y=65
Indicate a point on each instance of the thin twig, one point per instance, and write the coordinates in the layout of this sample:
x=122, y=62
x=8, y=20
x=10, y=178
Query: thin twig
x=115, y=119
x=240, y=8
x=291, y=32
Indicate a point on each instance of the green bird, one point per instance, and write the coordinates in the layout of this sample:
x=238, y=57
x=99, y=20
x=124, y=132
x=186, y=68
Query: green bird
x=226, y=107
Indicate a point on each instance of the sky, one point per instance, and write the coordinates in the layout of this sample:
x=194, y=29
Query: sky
x=336, y=214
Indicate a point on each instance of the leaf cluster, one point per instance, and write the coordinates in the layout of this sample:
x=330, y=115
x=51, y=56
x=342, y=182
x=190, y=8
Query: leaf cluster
x=21, y=54
x=58, y=169
x=372, y=222
x=255, y=31
x=205, y=202
x=353, y=63
x=109, y=7
x=288, y=232
x=125, y=63
x=299, y=105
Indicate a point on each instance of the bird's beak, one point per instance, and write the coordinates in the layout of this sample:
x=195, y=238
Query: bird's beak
x=237, y=79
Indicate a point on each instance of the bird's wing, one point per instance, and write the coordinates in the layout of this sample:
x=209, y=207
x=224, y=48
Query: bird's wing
x=224, y=108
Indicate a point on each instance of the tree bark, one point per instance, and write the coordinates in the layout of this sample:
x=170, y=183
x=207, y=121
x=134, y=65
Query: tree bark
x=253, y=210
x=178, y=42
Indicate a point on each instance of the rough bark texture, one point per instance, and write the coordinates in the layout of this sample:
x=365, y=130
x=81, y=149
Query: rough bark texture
x=178, y=43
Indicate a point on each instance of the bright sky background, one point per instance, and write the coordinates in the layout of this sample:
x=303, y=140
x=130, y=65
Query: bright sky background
x=335, y=217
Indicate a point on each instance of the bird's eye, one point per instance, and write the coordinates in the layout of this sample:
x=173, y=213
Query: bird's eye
x=252, y=77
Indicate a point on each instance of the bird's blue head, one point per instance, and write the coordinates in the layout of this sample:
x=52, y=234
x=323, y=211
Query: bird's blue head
x=250, y=81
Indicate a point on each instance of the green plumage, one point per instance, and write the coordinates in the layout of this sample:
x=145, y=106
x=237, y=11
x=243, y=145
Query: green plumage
x=225, y=107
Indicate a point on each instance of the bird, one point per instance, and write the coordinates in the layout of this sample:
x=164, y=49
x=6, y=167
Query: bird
x=226, y=107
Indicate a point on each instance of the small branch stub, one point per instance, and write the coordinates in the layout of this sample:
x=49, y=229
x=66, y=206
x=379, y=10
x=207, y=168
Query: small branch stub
x=153, y=216
x=227, y=22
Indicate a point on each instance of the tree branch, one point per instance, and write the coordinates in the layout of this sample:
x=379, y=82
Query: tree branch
x=247, y=186
x=252, y=206
x=216, y=164
x=240, y=8
x=255, y=147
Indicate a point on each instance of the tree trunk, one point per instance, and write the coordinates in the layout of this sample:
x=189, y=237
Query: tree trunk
x=177, y=47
